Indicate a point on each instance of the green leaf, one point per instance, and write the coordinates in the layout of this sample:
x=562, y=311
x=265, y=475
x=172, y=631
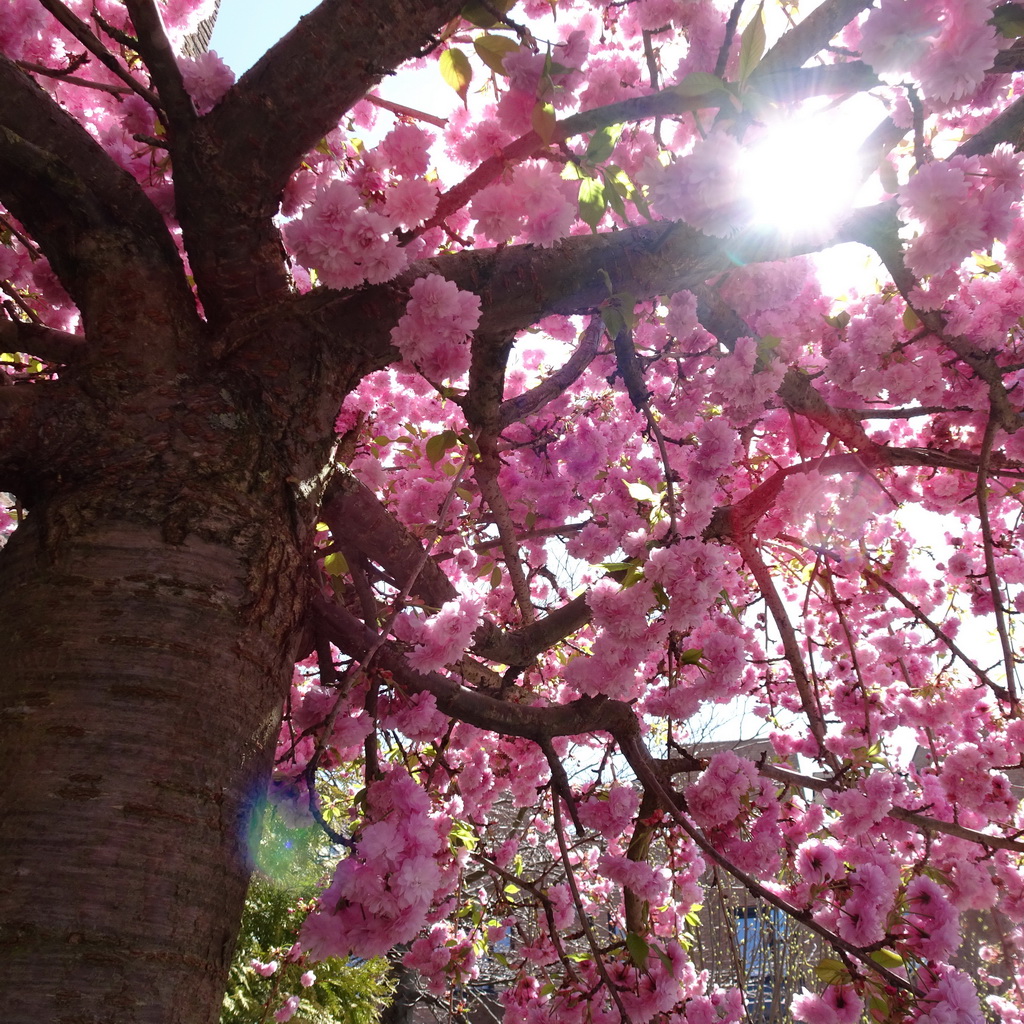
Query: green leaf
x=335, y=564
x=887, y=958
x=601, y=144
x=614, y=193
x=1008, y=20
x=493, y=50
x=987, y=264
x=626, y=302
x=495, y=580
x=832, y=972
x=478, y=14
x=592, y=202
x=752, y=44
x=878, y=1007
x=697, y=83
x=691, y=656
x=910, y=319
x=543, y=120
x=456, y=71
x=766, y=347
x=439, y=444
x=638, y=949
x=614, y=321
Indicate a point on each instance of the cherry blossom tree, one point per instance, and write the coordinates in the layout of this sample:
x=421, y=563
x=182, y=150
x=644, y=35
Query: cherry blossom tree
x=475, y=452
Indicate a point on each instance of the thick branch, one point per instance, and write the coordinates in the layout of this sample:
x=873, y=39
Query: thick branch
x=801, y=43
x=155, y=50
x=229, y=178
x=513, y=410
x=355, y=514
x=89, y=217
x=521, y=284
x=784, y=86
x=730, y=522
x=585, y=715
x=23, y=413
x=358, y=518
x=48, y=344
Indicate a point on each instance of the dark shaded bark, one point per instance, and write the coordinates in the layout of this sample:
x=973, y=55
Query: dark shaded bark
x=127, y=794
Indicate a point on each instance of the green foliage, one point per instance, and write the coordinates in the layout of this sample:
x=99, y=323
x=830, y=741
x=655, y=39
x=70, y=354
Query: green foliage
x=290, y=865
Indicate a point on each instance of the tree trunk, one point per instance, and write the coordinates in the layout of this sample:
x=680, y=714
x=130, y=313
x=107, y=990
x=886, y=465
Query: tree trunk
x=140, y=690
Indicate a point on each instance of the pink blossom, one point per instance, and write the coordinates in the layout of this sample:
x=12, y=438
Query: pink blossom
x=405, y=148
x=410, y=201
x=818, y=861
x=207, y=78
x=838, y=1004
x=950, y=997
x=704, y=189
x=933, y=921
x=434, y=331
x=716, y=797
x=288, y=1009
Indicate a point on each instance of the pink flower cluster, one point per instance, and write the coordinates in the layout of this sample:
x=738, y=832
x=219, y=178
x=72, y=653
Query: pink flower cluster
x=443, y=956
x=442, y=638
x=960, y=205
x=718, y=796
x=206, y=78
x=346, y=243
x=381, y=894
x=433, y=334
x=947, y=47
x=704, y=188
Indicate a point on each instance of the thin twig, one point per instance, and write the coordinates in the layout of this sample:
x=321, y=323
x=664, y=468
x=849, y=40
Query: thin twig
x=70, y=79
x=809, y=701
x=939, y=635
x=570, y=877
x=91, y=42
x=404, y=111
x=634, y=751
x=990, y=563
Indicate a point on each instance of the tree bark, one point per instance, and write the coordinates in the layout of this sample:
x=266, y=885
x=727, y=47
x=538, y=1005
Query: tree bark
x=140, y=693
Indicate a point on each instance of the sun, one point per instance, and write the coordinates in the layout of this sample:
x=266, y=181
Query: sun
x=802, y=175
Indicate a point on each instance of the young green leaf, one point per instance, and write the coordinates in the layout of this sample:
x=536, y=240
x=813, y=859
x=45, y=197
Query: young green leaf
x=456, y=71
x=1008, y=20
x=752, y=44
x=614, y=193
x=593, y=202
x=439, y=444
x=698, y=83
x=483, y=15
x=493, y=50
x=638, y=950
x=614, y=321
x=601, y=144
x=543, y=120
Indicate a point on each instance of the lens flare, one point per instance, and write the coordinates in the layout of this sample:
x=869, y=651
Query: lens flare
x=802, y=175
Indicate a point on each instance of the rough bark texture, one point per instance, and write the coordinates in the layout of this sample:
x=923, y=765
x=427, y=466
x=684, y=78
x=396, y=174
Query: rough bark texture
x=140, y=700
